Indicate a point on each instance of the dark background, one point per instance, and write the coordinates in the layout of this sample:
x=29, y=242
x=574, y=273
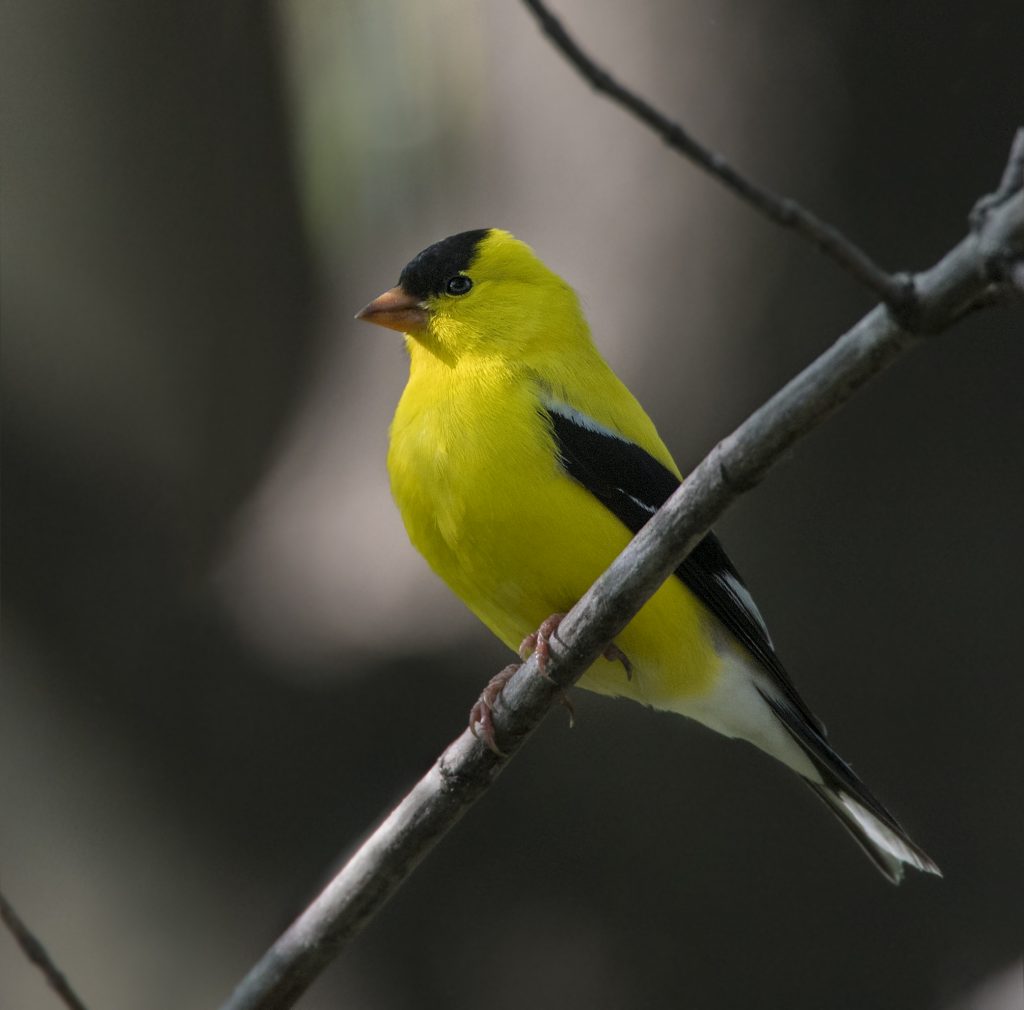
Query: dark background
x=222, y=663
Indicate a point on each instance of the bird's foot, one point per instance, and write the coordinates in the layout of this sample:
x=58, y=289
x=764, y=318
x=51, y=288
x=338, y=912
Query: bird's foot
x=538, y=642
x=481, y=721
x=481, y=715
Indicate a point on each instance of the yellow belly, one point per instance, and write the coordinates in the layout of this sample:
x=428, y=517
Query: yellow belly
x=484, y=501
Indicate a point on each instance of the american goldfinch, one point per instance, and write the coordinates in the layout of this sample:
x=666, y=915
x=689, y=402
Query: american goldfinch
x=522, y=466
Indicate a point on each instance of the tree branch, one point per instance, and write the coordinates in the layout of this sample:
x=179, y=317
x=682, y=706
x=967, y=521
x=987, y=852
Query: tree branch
x=33, y=949
x=963, y=279
x=896, y=291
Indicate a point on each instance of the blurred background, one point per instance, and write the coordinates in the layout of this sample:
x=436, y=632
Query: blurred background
x=222, y=662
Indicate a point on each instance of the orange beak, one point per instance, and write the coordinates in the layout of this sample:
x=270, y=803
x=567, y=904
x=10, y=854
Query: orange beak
x=397, y=310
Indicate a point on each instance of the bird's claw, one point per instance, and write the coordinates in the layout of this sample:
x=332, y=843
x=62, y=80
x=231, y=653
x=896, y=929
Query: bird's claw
x=539, y=642
x=481, y=721
x=615, y=655
x=566, y=701
x=481, y=718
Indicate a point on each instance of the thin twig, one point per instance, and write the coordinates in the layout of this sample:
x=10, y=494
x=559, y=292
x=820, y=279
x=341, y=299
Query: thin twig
x=466, y=769
x=1006, y=272
x=895, y=290
x=36, y=953
x=1011, y=182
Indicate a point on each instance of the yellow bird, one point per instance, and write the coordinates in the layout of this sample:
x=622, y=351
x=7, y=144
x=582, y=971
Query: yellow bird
x=522, y=466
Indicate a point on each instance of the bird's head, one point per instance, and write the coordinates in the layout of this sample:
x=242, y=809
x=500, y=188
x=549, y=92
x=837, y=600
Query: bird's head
x=480, y=293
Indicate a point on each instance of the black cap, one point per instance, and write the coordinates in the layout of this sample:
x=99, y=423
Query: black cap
x=426, y=274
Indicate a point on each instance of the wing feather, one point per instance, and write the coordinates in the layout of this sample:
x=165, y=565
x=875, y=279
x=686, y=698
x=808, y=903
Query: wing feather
x=633, y=485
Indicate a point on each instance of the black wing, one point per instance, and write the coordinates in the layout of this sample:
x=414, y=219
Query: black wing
x=633, y=485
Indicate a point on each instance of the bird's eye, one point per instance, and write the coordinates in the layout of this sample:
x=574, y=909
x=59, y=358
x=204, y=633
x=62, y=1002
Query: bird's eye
x=458, y=285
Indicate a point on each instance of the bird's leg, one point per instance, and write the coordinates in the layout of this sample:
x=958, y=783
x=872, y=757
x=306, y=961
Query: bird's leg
x=481, y=723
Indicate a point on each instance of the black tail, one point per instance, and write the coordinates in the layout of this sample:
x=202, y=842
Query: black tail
x=877, y=832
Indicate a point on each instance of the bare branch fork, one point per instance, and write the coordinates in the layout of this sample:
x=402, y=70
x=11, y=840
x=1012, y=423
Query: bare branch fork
x=895, y=290
x=988, y=262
